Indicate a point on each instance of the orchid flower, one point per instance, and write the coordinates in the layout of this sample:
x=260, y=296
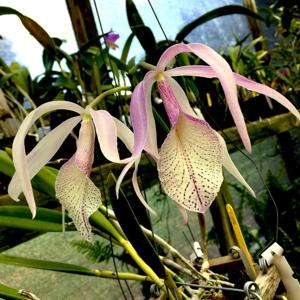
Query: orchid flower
x=191, y=158
x=110, y=39
x=77, y=193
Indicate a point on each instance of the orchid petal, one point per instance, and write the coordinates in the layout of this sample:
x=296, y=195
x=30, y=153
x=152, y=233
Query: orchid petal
x=225, y=75
x=199, y=71
x=231, y=168
x=180, y=96
x=122, y=175
x=208, y=72
x=18, y=151
x=106, y=130
x=190, y=164
x=142, y=118
x=137, y=188
x=169, y=54
x=124, y=134
x=79, y=196
x=42, y=153
x=151, y=142
x=138, y=116
x=263, y=89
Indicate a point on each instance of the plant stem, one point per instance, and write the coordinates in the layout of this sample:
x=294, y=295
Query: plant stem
x=161, y=242
x=98, y=99
x=101, y=222
x=120, y=275
x=147, y=66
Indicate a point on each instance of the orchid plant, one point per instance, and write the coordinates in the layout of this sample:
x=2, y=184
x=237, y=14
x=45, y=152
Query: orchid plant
x=190, y=161
x=191, y=158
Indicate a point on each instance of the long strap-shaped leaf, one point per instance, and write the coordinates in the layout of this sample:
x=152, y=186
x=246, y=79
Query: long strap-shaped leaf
x=43, y=181
x=47, y=220
x=10, y=293
x=33, y=27
x=142, y=32
x=66, y=268
x=218, y=12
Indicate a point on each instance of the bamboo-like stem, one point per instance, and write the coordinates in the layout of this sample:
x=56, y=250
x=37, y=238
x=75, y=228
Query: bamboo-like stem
x=101, y=222
x=120, y=275
x=172, y=250
x=107, y=93
x=176, y=277
x=162, y=243
x=104, y=235
x=172, y=264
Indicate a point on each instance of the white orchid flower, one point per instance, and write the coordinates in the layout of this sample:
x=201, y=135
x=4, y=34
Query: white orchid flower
x=78, y=194
x=191, y=158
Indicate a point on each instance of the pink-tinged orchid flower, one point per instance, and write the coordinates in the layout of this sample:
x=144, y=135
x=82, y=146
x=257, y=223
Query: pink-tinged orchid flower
x=110, y=39
x=191, y=158
x=77, y=193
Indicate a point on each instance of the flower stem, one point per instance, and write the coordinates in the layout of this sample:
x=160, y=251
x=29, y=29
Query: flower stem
x=99, y=98
x=101, y=222
x=147, y=66
x=120, y=275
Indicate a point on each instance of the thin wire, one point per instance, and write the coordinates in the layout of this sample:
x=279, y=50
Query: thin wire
x=109, y=60
x=257, y=170
x=191, y=233
x=128, y=287
x=110, y=238
x=159, y=24
x=189, y=243
x=115, y=267
x=211, y=287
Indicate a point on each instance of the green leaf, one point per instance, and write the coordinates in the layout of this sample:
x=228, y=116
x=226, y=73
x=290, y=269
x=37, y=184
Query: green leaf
x=65, y=267
x=33, y=27
x=64, y=82
x=10, y=293
x=6, y=164
x=215, y=13
x=47, y=220
x=132, y=229
x=126, y=48
x=4, y=66
x=49, y=57
x=46, y=265
x=44, y=181
x=142, y=32
x=21, y=76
